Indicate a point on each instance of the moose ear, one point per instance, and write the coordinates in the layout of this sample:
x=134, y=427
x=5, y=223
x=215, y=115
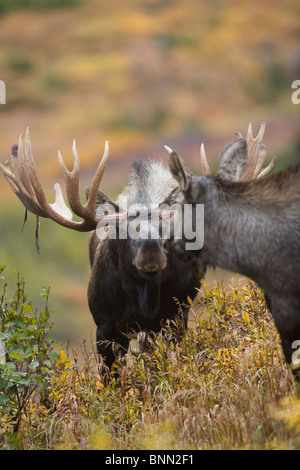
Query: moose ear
x=188, y=182
x=179, y=172
x=233, y=160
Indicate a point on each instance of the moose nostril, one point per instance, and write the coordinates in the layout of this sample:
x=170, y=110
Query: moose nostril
x=152, y=267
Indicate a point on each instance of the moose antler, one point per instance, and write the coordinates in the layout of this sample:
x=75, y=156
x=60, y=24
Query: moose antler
x=24, y=181
x=256, y=156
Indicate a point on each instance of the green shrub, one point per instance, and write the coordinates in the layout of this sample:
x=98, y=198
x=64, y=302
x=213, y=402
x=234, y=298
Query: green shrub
x=7, y=5
x=26, y=354
x=19, y=63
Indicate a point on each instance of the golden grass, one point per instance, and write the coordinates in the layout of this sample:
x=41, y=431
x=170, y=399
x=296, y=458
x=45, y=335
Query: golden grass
x=223, y=385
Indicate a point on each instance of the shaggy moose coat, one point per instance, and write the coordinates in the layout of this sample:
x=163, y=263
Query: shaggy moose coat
x=252, y=228
x=136, y=284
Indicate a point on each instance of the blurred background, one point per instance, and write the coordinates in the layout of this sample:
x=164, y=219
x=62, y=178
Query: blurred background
x=140, y=73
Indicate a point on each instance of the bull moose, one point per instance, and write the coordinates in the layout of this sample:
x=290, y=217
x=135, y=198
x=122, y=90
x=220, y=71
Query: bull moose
x=134, y=282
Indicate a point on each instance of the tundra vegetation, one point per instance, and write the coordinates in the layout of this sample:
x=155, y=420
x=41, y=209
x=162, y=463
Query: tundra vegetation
x=221, y=384
x=224, y=384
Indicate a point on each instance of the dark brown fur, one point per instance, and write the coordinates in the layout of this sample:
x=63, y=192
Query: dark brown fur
x=134, y=284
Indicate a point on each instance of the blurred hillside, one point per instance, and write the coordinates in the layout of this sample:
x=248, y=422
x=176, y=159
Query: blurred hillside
x=141, y=74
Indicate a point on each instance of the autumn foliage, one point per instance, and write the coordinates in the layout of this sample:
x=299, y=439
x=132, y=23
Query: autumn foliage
x=224, y=385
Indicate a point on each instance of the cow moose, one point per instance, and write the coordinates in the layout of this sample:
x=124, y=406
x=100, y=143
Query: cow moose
x=252, y=228
x=134, y=281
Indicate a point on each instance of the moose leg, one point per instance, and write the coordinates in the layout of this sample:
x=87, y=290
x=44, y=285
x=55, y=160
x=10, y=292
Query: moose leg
x=185, y=317
x=106, y=337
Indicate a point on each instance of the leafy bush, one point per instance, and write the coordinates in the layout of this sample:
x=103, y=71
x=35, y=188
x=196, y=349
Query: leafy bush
x=27, y=354
x=19, y=63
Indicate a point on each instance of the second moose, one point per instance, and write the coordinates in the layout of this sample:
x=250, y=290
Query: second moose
x=252, y=228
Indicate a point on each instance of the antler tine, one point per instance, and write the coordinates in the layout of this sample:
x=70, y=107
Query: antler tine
x=256, y=155
x=22, y=194
x=204, y=163
x=87, y=211
x=59, y=205
x=91, y=202
x=268, y=168
x=28, y=177
x=24, y=181
x=261, y=157
x=18, y=162
x=72, y=182
x=203, y=160
x=21, y=181
x=253, y=151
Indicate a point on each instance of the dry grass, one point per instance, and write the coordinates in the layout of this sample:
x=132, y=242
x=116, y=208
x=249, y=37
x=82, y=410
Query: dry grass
x=223, y=385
